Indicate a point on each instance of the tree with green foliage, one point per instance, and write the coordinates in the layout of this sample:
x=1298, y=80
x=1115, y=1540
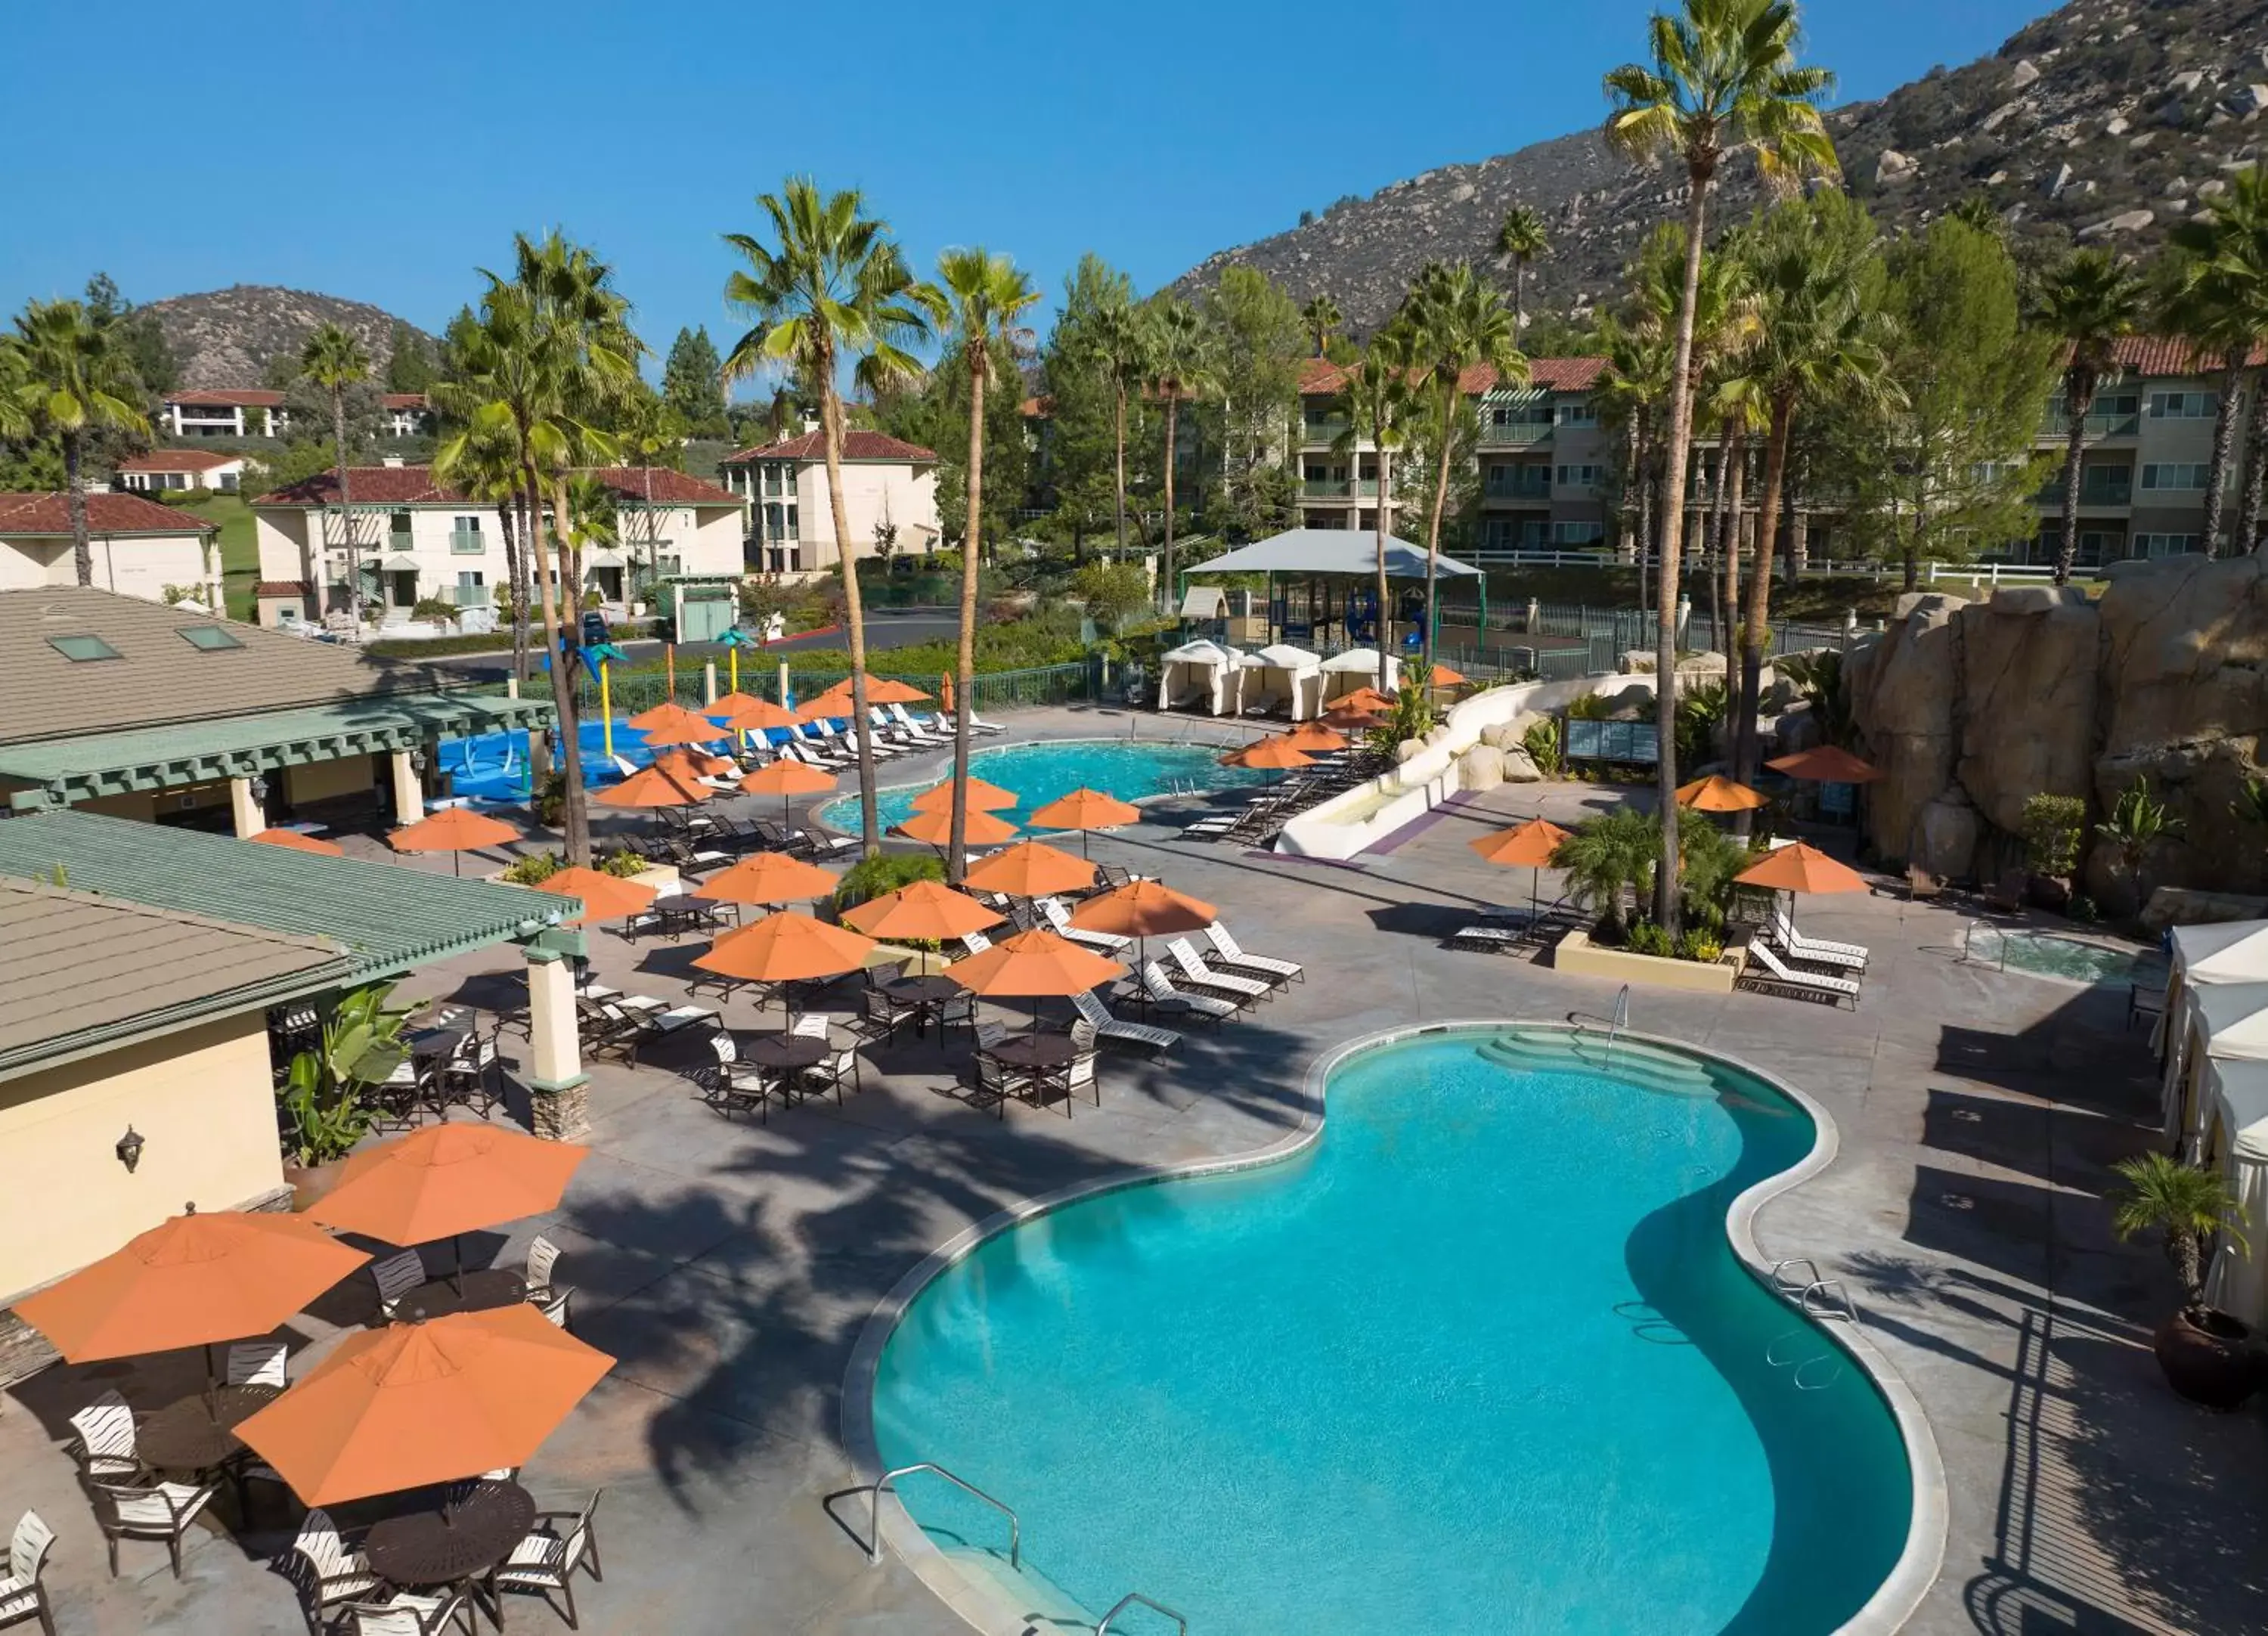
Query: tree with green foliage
x=2220, y=302
x=1261, y=349
x=1722, y=81
x=334, y=360
x=1083, y=427
x=832, y=291
x=409, y=361
x=1118, y=343
x=693, y=384
x=1323, y=318
x=1522, y=239
x=2186, y=1206
x=2090, y=302
x=77, y=380
x=1605, y=857
x=1380, y=402
x=1183, y=352
x=143, y=337
x=1111, y=591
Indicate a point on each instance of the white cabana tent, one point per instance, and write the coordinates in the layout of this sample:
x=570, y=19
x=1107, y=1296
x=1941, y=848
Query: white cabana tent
x=2230, y=955
x=2230, y=950
x=2238, y=1148
x=1200, y=675
x=1282, y=679
x=1354, y=670
x=2216, y=1021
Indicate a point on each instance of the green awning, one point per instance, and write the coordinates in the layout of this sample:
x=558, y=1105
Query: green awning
x=60, y=771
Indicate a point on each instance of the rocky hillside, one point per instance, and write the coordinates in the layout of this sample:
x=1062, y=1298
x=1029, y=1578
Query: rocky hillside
x=2108, y=119
x=225, y=337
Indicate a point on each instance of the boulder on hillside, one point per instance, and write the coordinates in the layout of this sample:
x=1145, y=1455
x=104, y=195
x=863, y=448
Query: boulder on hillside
x=2124, y=222
x=2026, y=73
x=1893, y=167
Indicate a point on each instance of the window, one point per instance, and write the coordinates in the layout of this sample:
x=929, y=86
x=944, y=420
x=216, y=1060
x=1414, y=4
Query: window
x=794, y=527
x=1578, y=414
x=668, y=567
x=2164, y=544
x=82, y=650
x=2177, y=475
x=208, y=638
x=465, y=525
x=228, y=483
x=1579, y=477
x=2185, y=405
x=465, y=536
x=1578, y=532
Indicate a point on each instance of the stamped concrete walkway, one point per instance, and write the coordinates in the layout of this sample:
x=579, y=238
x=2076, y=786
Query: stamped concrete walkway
x=729, y=1267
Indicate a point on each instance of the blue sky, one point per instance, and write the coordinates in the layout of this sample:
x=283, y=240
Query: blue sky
x=385, y=151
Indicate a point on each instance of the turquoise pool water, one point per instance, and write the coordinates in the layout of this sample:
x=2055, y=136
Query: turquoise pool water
x=2044, y=954
x=1039, y=773
x=1480, y=1361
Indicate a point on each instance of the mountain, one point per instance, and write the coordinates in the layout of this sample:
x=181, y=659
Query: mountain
x=226, y=337
x=2107, y=120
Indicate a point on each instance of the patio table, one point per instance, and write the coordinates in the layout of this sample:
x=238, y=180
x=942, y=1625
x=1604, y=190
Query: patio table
x=493, y=1287
x=435, y=1045
x=443, y=1537
x=786, y=1051
x=925, y=997
x=1038, y=1053
x=198, y=1432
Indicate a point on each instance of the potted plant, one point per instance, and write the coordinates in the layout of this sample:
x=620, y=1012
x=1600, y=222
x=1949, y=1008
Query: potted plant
x=2136, y=824
x=322, y=1101
x=2053, y=826
x=2206, y=1354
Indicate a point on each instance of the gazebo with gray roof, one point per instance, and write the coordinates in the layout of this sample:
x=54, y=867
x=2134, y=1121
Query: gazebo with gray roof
x=1323, y=556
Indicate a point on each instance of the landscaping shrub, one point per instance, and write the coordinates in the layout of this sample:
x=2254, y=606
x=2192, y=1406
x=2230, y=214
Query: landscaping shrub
x=884, y=873
x=2053, y=826
x=1542, y=743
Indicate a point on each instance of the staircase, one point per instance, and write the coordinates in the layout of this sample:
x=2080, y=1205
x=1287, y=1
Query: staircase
x=1567, y=1051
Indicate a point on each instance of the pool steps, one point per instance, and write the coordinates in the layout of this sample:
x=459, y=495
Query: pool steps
x=1559, y=1050
x=1038, y=1599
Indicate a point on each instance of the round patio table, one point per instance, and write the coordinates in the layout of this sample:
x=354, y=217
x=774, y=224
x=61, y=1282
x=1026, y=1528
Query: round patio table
x=440, y=1539
x=786, y=1050
x=1039, y=1052
x=492, y=1287
x=197, y=1433
x=925, y=997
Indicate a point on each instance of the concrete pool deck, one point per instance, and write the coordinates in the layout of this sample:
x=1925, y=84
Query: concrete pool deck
x=731, y=1267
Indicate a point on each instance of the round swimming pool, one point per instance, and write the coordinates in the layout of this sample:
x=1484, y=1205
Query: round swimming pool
x=1481, y=1359
x=1040, y=772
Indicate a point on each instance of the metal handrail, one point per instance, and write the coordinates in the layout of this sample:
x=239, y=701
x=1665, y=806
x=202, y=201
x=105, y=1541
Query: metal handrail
x=1821, y=1288
x=875, y=1515
x=1155, y=1606
x=1620, y=1022
x=1794, y=1292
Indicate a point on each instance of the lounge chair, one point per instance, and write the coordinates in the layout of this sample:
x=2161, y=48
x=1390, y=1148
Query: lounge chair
x=1163, y=994
x=975, y=942
x=913, y=730
x=1778, y=978
x=1092, y=1011
x=1199, y=975
x=1815, y=951
x=1058, y=919
x=1225, y=947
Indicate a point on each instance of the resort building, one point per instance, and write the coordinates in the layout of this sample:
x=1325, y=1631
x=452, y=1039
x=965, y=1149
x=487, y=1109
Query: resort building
x=135, y=710
x=420, y=539
x=889, y=493
x=224, y=412
x=405, y=414
x=139, y=547
x=162, y=470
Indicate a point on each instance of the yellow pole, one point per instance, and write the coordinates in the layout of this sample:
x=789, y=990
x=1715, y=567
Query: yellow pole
x=607, y=707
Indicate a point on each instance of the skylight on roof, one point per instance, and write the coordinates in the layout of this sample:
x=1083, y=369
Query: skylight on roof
x=208, y=638
x=82, y=650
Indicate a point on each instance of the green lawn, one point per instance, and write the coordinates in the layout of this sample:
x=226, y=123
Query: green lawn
x=240, y=556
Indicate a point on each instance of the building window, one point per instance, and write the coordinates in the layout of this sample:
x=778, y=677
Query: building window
x=82, y=650
x=794, y=527
x=465, y=536
x=1578, y=532
x=2179, y=475
x=1579, y=477
x=2164, y=544
x=2185, y=405
x=1578, y=414
x=208, y=638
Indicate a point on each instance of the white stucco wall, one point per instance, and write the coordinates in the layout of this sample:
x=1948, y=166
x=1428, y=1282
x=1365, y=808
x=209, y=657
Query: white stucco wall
x=139, y=565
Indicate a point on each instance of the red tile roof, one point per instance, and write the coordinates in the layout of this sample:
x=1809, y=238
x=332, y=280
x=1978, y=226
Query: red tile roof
x=858, y=444
x=1320, y=377
x=2165, y=355
x=229, y=397
x=178, y=459
x=414, y=485
x=280, y=588
x=403, y=399
x=105, y=513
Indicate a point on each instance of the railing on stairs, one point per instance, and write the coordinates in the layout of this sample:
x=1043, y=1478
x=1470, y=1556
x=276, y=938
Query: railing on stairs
x=1127, y=1601
x=874, y=1512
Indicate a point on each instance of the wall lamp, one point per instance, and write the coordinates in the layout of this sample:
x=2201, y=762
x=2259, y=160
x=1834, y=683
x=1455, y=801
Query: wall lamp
x=130, y=1149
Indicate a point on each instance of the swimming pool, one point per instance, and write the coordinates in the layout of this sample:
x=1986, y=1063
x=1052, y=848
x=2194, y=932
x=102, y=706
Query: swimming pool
x=1480, y=1358
x=1129, y=769
x=2045, y=955
x=493, y=766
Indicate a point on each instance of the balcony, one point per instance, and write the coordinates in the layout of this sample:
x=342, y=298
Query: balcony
x=401, y=539
x=467, y=543
x=1321, y=433
x=2095, y=489
x=1327, y=489
x=466, y=595
x=1524, y=486
x=2056, y=424
x=1520, y=434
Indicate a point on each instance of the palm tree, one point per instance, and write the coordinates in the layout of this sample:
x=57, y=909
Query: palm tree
x=835, y=289
x=335, y=361
x=1459, y=323
x=2222, y=304
x=1117, y=344
x=1522, y=238
x=19, y=397
x=1181, y=366
x=80, y=379
x=2189, y=1206
x=1605, y=857
x=1723, y=81
x=1380, y=401
x=1323, y=318
x=483, y=465
x=2091, y=301
x=989, y=296
x=1631, y=395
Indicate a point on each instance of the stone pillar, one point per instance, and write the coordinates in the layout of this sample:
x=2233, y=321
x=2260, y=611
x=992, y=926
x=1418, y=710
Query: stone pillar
x=559, y=1089
x=538, y=757
x=709, y=682
x=408, y=794
x=511, y=686
x=244, y=806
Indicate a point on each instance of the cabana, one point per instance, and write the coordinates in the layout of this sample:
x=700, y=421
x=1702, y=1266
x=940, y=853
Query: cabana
x=1352, y=672
x=1317, y=562
x=2215, y=997
x=1200, y=676
x=1282, y=678
x=2236, y=1147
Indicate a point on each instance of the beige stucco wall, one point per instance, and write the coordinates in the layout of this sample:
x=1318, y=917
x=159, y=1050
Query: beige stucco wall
x=1577, y=955
x=203, y=1103
x=324, y=780
x=143, y=565
x=144, y=805
x=279, y=535
x=872, y=491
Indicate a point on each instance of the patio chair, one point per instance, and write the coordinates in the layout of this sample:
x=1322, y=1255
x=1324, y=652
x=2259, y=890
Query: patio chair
x=163, y=1511
x=22, y=1594
x=1921, y=885
x=330, y=1572
x=1778, y=978
x=1491, y=937
x=1058, y=919
x=409, y=1615
x=732, y=1083
x=472, y=1075
x=1166, y=996
x=1077, y=1076
x=841, y=1063
x=997, y=1080
x=544, y=1561
x=1098, y=1016
x=1817, y=951
x=1198, y=975
x=1285, y=971
x=104, y=1444
x=2005, y=895
x=554, y=1306
x=991, y=1034
x=395, y=1277
x=535, y=1275
x=259, y=1363
x=880, y=1017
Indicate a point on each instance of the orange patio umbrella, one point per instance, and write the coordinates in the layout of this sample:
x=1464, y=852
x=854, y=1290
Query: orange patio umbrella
x=1030, y=869
x=673, y=723
x=1527, y=845
x=936, y=829
x=945, y=692
x=1351, y=718
x=744, y=714
x=826, y=706
x=1034, y=965
x=418, y=1404
x=190, y=1281
x=729, y=704
x=447, y=1180
x=1085, y=810
x=1315, y=736
x=890, y=690
x=1272, y=753
x=925, y=909
x=786, y=779
x=1445, y=677
x=1825, y=765
x=767, y=878
x=1716, y=793
x=1144, y=909
x=654, y=787
x=692, y=765
x=983, y=797
x=294, y=841
x=1366, y=699
x=786, y=948
x=605, y=896
x=458, y=829
x=1801, y=867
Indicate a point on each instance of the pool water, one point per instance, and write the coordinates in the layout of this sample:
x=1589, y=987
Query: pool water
x=493, y=766
x=2044, y=954
x=1040, y=772
x=1480, y=1361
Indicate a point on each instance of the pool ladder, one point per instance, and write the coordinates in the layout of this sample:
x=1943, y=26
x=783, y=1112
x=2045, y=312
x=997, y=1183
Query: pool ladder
x=1153, y=1605
x=874, y=1511
x=1820, y=1299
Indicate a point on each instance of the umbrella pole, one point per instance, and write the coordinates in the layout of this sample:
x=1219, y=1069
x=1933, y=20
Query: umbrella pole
x=457, y=1263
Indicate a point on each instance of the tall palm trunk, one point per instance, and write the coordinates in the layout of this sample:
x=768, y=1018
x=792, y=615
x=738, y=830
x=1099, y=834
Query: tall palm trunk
x=2224, y=448
x=2082, y=399
x=1736, y=483
x=1717, y=605
x=2256, y=469
x=575, y=814
x=1166, y=578
x=1673, y=542
x=75, y=474
x=1433, y=523
x=854, y=611
x=965, y=667
x=1118, y=459
x=346, y=502
x=508, y=514
x=1759, y=627
x=1644, y=478
x=1518, y=296
x=1378, y=534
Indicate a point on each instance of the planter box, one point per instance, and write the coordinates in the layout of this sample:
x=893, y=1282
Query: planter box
x=1578, y=955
